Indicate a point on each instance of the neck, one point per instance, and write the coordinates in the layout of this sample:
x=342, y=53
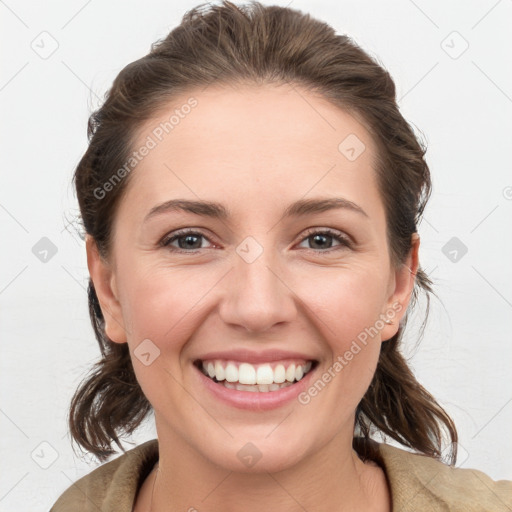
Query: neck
x=334, y=478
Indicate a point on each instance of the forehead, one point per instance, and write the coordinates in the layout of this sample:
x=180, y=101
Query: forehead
x=258, y=139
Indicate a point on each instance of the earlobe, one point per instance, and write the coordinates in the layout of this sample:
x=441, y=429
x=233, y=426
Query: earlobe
x=404, y=278
x=104, y=284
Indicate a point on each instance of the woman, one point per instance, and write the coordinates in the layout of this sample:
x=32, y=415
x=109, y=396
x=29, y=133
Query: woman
x=250, y=195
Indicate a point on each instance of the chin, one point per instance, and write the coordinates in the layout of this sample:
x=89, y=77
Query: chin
x=257, y=453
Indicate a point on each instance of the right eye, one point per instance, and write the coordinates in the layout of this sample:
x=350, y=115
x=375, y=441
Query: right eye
x=187, y=241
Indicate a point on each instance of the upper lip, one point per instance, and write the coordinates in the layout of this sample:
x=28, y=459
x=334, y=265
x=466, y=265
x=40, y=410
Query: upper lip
x=250, y=356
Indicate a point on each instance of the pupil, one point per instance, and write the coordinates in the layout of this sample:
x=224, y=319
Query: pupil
x=320, y=238
x=189, y=241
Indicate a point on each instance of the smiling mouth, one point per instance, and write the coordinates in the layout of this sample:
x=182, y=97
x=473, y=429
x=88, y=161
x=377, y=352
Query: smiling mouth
x=266, y=377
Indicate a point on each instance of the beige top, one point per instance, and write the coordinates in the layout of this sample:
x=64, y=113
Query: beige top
x=418, y=484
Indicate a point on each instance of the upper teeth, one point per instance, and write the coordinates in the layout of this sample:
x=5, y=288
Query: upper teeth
x=246, y=373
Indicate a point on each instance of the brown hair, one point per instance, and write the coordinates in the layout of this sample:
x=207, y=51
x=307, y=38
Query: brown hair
x=256, y=44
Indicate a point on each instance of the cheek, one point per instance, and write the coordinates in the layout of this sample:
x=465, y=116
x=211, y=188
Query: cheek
x=156, y=304
x=344, y=305
x=345, y=301
x=161, y=308
x=347, y=304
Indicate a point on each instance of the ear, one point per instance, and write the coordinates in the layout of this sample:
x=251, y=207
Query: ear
x=103, y=278
x=400, y=290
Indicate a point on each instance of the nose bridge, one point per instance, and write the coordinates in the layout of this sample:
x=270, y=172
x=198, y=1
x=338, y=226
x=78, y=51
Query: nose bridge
x=256, y=297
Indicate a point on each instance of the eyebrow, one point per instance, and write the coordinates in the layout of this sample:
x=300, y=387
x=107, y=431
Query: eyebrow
x=219, y=211
x=309, y=206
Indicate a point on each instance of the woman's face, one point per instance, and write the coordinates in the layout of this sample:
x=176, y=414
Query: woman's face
x=286, y=267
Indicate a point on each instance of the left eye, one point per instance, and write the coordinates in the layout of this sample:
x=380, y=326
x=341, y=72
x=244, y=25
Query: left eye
x=324, y=239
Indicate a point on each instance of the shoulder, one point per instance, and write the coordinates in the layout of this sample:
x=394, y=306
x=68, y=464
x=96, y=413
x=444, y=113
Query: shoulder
x=112, y=486
x=419, y=482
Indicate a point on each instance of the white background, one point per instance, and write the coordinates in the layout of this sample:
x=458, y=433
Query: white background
x=462, y=105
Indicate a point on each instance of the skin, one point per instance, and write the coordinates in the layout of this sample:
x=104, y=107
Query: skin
x=255, y=149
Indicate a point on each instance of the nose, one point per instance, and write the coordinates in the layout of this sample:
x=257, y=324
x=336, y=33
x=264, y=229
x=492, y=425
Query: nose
x=257, y=296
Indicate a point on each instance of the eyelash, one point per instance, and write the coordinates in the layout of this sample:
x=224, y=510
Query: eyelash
x=343, y=240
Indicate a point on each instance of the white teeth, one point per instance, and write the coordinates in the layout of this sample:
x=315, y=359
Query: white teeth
x=220, y=373
x=231, y=373
x=279, y=374
x=261, y=378
x=264, y=375
x=290, y=373
x=246, y=374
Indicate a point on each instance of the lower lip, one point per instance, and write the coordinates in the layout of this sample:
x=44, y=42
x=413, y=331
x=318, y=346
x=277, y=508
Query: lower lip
x=255, y=400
